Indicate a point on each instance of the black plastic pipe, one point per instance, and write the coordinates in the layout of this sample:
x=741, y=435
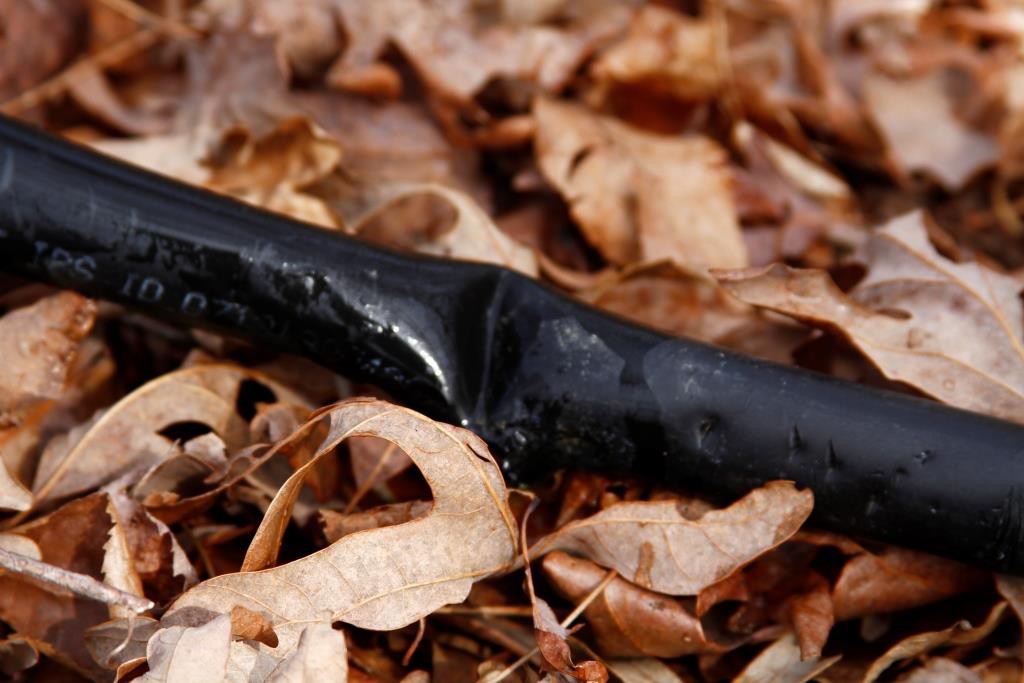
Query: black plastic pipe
x=547, y=381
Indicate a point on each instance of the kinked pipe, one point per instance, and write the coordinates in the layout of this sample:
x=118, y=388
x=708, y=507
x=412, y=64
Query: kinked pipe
x=548, y=381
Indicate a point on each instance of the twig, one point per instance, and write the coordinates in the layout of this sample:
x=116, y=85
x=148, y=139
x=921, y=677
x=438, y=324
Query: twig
x=489, y=610
x=508, y=671
x=58, y=580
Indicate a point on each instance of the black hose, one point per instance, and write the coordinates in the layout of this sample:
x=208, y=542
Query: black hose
x=547, y=381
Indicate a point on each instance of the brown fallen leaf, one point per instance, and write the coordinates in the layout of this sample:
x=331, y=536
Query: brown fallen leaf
x=642, y=670
x=17, y=655
x=626, y=620
x=38, y=344
x=72, y=539
x=455, y=58
x=655, y=545
x=812, y=616
x=781, y=662
x=903, y=313
x=898, y=579
x=960, y=633
x=337, y=525
x=917, y=117
x=666, y=52
x=640, y=196
x=120, y=640
x=418, y=566
x=472, y=236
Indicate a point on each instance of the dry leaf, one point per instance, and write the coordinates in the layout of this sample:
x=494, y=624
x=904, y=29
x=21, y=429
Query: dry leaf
x=960, y=633
x=338, y=525
x=473, y=236
x=626, y=620
x=665, y=52
x=655, y=545
x=941, y=670
x=453, y=57
x=320, y=656
x=190, y=655
x=121, y=640
x=417, y=566
x=917, y=117
x=903, y=314
x=72, y=539
x=38, y=344
x=128, y=434
x=639, y=196
x=812, y=616
x=780, y=662
x=642, y=670
x=898, y=579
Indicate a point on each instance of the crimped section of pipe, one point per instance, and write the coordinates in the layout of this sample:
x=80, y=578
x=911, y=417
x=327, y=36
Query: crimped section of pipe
x=547, y=381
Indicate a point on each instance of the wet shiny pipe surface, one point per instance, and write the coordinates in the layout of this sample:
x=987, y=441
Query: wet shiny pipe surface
x=547, y=381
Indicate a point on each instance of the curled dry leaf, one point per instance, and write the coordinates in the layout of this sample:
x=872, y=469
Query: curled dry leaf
x=917, y=117
x=626, y=620
x=812, y=616
x=656, y=545
x=898, y=579
x=960, y=633
x=416, y=567
x=640, y=196
x=780, y=662
x=128, y=434
x=905, y=312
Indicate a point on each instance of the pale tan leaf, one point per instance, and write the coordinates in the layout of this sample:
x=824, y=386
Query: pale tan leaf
x=917, y=117
x=953, y=330
x=197, y=654
x=320, y=656
x=960, y=633
x=655, y=545
x=417, y=566
x=780, y=663
x=640, y=196
x=472, y=237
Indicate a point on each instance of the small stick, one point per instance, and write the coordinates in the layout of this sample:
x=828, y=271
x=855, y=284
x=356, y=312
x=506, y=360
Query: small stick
x=58, y=580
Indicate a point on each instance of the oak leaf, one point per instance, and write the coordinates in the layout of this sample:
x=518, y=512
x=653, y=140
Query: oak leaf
x=382, y=578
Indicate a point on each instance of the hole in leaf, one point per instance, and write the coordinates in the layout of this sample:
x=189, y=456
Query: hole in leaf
x=184, y=431
x=251, y=393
